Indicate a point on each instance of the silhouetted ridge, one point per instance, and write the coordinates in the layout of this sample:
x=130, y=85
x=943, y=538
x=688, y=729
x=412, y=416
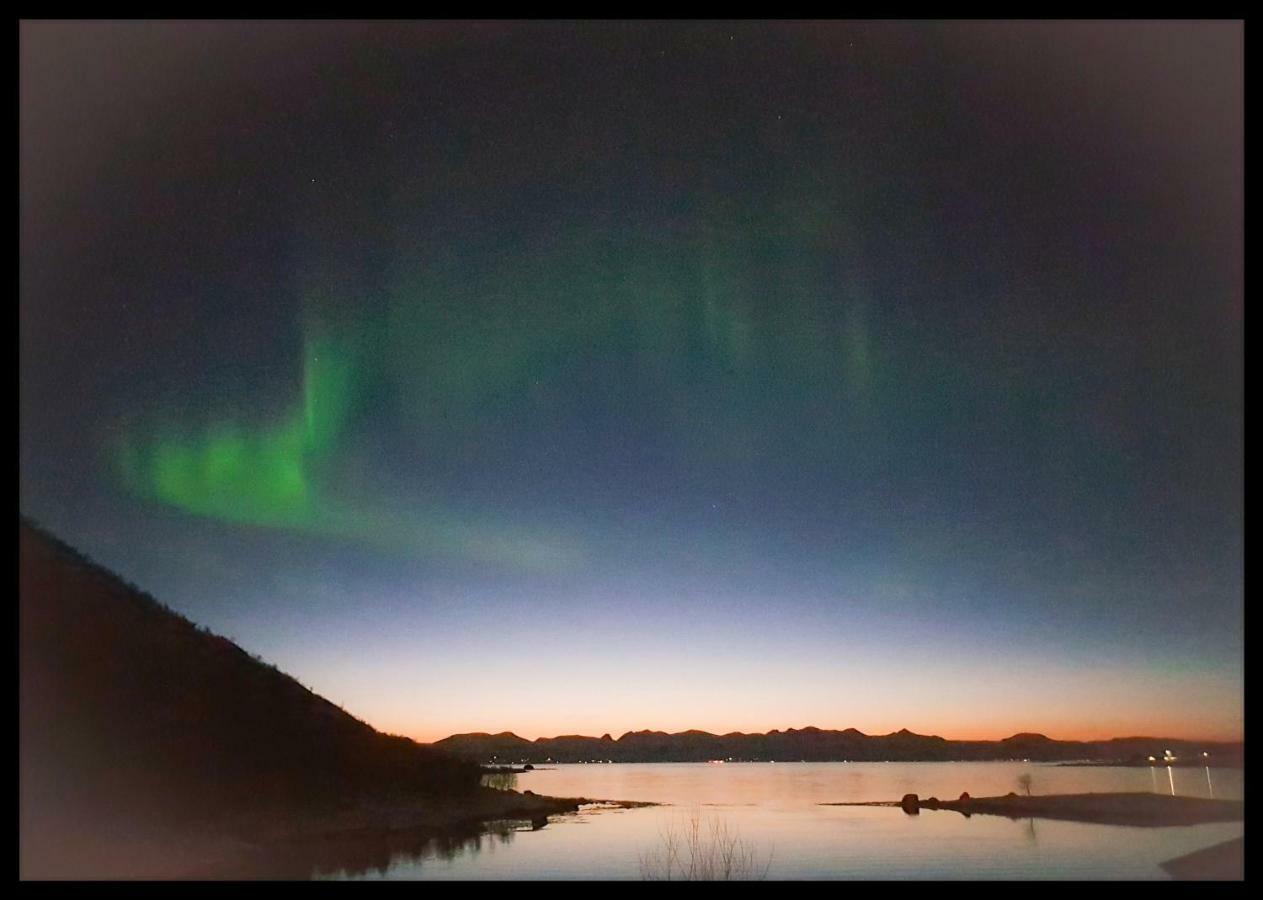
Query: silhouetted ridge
x=130, y=714
x=814, y=744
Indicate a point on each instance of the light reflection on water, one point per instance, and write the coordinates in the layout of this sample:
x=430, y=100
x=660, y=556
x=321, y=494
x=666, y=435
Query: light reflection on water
x=775, y=807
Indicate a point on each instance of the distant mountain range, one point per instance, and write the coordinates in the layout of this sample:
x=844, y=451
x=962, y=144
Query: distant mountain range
x=819, y=745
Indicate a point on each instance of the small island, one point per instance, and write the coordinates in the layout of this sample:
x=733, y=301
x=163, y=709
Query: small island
x=1140, y=809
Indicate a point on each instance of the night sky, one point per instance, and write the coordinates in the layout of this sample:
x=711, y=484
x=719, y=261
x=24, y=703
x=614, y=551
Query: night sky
x=583, y=378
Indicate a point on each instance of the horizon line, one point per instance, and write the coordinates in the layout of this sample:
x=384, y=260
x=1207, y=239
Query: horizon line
x=905, y=730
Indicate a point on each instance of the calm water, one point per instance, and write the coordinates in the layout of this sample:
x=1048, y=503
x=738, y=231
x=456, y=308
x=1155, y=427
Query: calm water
x=774, y=809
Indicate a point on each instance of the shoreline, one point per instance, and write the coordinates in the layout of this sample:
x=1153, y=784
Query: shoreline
x=1218, y=862
x=374, y=829
x=296, y=845
x=370, y=835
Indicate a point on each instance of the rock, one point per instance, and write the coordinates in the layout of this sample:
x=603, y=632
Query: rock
x=964, y=795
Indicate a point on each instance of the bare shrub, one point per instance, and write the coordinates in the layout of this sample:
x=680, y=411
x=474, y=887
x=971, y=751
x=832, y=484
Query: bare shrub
x=500, y=781
x=703, y=850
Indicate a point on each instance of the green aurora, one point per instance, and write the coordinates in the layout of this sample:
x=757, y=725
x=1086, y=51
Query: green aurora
x=715, y=365
x=271, y=477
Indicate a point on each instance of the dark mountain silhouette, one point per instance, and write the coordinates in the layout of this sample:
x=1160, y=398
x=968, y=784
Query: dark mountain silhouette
x=134, y=720
x=819, y=745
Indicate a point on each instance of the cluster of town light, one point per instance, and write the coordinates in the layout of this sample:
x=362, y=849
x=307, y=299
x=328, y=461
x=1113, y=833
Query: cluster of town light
x=1168, y=757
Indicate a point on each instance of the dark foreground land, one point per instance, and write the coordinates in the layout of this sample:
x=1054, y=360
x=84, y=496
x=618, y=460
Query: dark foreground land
x=1222, y=862
x=1140, y=809
x=299, y=845
x=293, y=845
x=151, y=748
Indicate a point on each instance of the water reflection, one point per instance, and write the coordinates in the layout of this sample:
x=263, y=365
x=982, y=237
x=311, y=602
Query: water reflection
x=370, y=855
x=778, y=806
x=345, y=862
x=1189, y=787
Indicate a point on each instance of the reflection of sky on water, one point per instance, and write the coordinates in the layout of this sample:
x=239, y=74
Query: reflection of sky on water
x=775, y=809
x=377, y=859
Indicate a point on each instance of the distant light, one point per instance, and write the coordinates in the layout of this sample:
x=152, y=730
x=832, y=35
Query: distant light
x=1152, y=759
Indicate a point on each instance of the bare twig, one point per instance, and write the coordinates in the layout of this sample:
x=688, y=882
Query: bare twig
x=703, y=850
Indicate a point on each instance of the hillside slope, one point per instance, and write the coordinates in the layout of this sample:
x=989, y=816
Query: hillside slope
x=135, y=721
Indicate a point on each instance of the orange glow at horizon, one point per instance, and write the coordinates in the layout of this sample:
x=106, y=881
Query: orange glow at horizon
x=954, y=731
x=1188, y=708
x=960, y=694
